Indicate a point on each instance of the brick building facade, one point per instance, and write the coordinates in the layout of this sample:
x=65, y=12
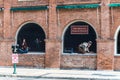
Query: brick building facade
x=53, y=18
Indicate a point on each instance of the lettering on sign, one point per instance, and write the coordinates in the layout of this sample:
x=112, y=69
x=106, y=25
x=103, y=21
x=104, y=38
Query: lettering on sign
x=14, y=58
x=79, y=29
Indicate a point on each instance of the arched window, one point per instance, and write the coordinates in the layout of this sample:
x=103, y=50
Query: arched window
x=76, y=34
x=118, y=43
x=34, y=37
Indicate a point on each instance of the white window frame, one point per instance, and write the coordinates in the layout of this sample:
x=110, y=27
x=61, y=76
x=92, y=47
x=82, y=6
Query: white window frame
x=115, y=41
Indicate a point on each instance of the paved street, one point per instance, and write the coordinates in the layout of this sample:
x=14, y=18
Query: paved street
x=19, y=78
x=56, y=74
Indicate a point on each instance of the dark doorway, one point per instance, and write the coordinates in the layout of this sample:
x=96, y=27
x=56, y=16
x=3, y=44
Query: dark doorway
x=34, y=36
x=71, y=41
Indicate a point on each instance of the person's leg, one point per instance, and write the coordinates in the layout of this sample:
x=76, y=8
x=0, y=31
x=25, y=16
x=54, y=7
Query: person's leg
x=81, y=50
x=20, y=51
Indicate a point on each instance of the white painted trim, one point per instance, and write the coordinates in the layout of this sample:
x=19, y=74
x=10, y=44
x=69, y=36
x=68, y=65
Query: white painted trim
x=72, y=23
x=115, y=42
x=40, y=53
x=46, y=23
x=86, y=54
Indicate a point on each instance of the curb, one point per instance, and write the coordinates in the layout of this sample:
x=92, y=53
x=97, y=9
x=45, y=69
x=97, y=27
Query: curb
x=70, y=78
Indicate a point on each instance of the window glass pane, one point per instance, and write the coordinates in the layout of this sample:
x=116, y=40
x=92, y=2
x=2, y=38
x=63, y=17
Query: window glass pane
x=34, y=36
x=118, y=43
x=72, y=41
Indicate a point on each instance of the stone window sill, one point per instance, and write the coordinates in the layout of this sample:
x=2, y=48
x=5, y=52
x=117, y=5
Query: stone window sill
x=86, y=54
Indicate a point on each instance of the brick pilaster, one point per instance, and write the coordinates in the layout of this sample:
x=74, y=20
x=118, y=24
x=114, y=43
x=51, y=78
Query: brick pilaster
x=105, y=46
x=52, y=56
x=52, y=19
x=105, y=57
x=7, y=19
x=105, y=19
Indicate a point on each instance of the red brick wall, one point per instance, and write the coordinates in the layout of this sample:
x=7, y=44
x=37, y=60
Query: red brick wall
x=5, y=53
x=117, y=63
x=23, y=17
x=77, y=1
x=1, y=24
x=115, y=20
x=1, y=3
x=115, y=1
x=105, y=55
x=79, y=61
x=31, y=60
x=65, y=17
x=29, y=3
x=54, y=24
x=115, y=23
x=90, y=16
x=11, y=22
x=52, y=58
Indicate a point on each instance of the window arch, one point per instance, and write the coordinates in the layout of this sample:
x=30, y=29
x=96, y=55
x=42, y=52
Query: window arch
x=77, y=33
x=117, y=41
x=34, y=36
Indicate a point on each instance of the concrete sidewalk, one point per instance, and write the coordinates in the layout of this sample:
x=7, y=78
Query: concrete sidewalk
x=62, y=74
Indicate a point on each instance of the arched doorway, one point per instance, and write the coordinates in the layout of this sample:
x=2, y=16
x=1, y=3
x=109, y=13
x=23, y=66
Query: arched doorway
x=77, y=33
x=34, y=36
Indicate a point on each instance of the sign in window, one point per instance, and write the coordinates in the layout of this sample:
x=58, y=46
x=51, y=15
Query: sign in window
x=79, y=29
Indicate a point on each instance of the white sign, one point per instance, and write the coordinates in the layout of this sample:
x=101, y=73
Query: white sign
x=14, y=58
